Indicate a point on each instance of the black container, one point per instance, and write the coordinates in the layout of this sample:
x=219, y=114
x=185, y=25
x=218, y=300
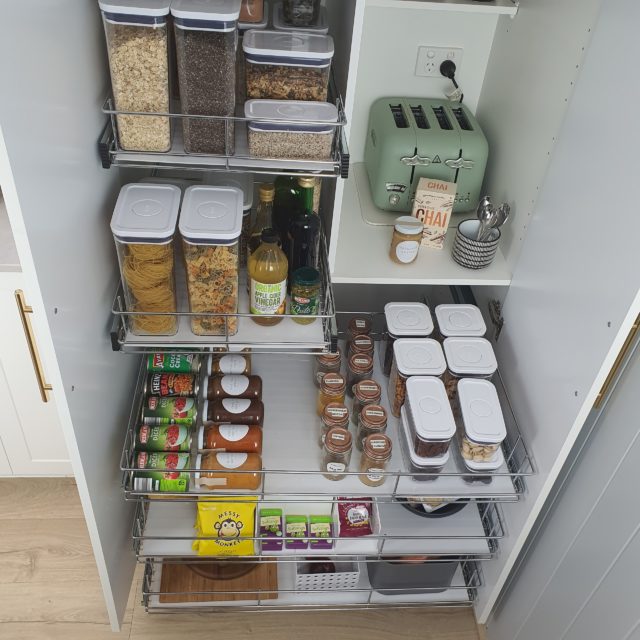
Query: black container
x=397, y=577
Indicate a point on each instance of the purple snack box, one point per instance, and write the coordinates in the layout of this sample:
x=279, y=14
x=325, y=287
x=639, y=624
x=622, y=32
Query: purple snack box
x=271, y=529
x=321, y=532
x=296, y=532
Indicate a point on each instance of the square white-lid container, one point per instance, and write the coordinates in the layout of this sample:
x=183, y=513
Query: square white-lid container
x=242, y=181
x=470, y=356
x=287, y=47
x=481, y=411
x=429, y=410
x=245, y=26
x=408, y=319
x=463, y=320
x=282, y=111
x=417, y=461
x=153, y=8
x=488, y=465
x=321, y=27
x=211, y=215
x=419, y=357
x=206, y=10
x=146, y=212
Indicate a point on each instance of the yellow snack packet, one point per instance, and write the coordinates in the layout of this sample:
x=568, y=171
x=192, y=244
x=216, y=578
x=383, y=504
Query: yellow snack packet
x=230, y=523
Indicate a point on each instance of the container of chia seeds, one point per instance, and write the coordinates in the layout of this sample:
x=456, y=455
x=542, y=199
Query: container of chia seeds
x=163, y=437
x=156, y=411
x=161, y=472
x=172, y=385
x=168, y=362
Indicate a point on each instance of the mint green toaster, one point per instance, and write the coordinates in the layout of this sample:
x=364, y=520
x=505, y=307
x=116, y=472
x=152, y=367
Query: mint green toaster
x=412, y=138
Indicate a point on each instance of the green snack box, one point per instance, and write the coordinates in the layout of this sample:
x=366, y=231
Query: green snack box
x=321, y=528
x=271, y=529
x=297, y=532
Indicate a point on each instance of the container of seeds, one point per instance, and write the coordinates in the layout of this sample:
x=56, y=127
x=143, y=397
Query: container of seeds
x=287, y=65
x=206, y=40
x=137, y=43
x=276, y=129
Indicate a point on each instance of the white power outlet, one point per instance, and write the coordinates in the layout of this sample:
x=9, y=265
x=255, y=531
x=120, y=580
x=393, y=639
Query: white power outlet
x=430, y=58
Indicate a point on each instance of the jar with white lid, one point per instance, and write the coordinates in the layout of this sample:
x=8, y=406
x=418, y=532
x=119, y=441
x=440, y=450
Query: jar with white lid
x=459, y=320
x=144, y=225
x=403, y=320
x=484, y=426
x=406, y=239
x=210, y=225
x=429, y=416
x=467, y=358
x=412, y=357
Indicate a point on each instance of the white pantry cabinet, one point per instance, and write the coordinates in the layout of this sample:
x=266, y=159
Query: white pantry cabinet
x=543, y=77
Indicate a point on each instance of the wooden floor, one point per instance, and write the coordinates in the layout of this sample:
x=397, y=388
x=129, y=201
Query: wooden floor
x=49, y=588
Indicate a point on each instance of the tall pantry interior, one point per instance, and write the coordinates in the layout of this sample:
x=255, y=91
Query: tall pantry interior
x=507, y=54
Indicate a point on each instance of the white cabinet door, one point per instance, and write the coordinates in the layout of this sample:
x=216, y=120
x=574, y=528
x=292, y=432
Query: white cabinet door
x=30, y=430
x=5, y=467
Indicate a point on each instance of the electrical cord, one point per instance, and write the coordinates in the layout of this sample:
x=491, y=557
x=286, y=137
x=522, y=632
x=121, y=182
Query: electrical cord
x=448, y=70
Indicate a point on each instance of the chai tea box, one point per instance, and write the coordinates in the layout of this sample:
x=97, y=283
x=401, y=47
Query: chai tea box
x=433, y=206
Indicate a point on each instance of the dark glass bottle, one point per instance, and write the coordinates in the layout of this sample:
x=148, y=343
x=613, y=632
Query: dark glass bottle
x=304, y=231
x=286, y=202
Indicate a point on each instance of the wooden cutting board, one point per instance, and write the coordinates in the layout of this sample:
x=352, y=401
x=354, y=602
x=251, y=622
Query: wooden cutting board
x=179, y=578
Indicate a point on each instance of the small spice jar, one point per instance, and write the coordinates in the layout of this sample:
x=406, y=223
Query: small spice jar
x=305, y=294
x=358, y=326
x=335, y=414
x=362, y=344
x=372, y=420
x=375, y=457
x=459, y=320
x=412, y=357
x=332, y=389
x=326, y=363
x=359, y=367
x=336, y=453
x=406, y=238
x=403, y=320
x=467, y=358
x=364, y=392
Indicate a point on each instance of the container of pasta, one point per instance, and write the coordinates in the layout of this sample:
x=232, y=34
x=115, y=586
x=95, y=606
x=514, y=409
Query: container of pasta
x=210, y=226
x=143, y=226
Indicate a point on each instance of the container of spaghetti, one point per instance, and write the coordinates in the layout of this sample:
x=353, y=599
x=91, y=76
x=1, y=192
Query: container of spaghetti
x=143, y=225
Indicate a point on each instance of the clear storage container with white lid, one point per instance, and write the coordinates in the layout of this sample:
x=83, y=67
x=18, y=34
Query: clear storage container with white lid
x=301, y=13
x=137, y=44
x=464, y=320
x=321, y=25
x=493, y=464
x=484, y=427
x=412, y=357
x=284, y=65
x=467, y=358
x=403, y=320
x=206, y=40
x=429, y=416
x=419, y=464
x=210, y=226
x=143, y=226
x=281, y=138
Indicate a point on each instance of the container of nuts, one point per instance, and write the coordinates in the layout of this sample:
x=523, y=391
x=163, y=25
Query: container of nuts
x=484, y=427
x=287, y=65
x=412, y=357
x=459, y=320
x=467, y=358
x=276, y=130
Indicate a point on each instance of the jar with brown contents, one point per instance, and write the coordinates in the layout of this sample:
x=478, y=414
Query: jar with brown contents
x=372, y=420
x=360, y=367
x=326, y=363
x=406, y=239
x=233, y=386
x=332, y=389
x=335, y=414
x=229, y=471
x=375, y=458
x=233, y=438
x=361, y=344
x=229, y=363
x=358, y=326
x=364, y=392
x=336, y=453
x=234, y=411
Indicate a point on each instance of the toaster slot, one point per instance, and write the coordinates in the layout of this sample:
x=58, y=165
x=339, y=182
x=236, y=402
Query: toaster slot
x=462, y=119
x=443, y=118
x=399, y=117
x=420, y=117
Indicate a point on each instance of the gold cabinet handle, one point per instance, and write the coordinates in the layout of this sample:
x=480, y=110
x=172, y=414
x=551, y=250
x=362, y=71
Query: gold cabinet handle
x=24, y=309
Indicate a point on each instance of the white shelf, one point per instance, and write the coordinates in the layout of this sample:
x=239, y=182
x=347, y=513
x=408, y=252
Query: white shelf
x=363, y=248
x=500, y=7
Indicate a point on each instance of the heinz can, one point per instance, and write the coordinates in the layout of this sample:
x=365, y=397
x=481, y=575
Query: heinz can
x=161, y=472
x=172, y=385
x=163, y=437
x=168, y=362
x=156, y=411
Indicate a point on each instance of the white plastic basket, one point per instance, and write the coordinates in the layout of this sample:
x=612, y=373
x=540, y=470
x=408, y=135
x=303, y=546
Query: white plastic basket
x=346, y=576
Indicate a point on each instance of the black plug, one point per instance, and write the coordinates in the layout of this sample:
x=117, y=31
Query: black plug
x=448, y=70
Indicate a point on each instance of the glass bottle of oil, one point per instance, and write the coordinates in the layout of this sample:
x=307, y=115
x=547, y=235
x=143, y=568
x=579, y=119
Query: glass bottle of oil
x=268, y=268
x=264, y=215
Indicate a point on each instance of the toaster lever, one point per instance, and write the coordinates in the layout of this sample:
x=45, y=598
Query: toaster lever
x=459, y=163
x=414, y=161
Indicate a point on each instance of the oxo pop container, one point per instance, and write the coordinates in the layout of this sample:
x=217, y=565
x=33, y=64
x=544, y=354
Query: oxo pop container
x=210, y=226
x=206, y=40
x=467, y=358
x=287, y=65
x=321, y=25
x=301, y=13
x=137, y=43
x=143, y=225
x=412, y=357
x=272, y=134
x=403, y=320
x=484, y=427
x=459, y=320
